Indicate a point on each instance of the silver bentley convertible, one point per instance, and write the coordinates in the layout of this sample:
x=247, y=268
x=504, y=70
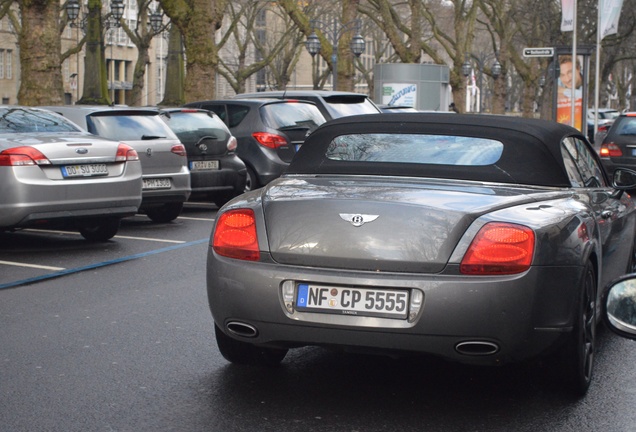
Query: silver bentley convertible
x=479, y=239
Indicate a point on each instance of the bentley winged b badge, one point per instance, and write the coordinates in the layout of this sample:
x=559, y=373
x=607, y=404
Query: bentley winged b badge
x=357, y=219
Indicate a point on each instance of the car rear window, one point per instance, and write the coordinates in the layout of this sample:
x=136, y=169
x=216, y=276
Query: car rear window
x=192, y=126
x=351, y=105
x=18, y=120
x=129, y=126
x=627, y=126
x=288, y=115
x=415, y=149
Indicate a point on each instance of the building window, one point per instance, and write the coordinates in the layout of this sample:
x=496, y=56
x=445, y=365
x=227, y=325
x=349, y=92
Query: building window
x=9, y=64
x=1, y=64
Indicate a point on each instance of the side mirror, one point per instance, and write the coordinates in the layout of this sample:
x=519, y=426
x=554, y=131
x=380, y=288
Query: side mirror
x=624, y=179
x=619, y=306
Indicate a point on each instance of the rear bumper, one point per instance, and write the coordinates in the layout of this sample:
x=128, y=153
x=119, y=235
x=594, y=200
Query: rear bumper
x=518, y=317
x=178, y=192
x=26, y=199
x=229, y=178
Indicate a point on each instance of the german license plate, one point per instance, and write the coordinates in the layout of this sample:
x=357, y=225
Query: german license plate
x=352, y=301
x=633, y=152
x=204, y=165
x=87, y=170
x=157, y=183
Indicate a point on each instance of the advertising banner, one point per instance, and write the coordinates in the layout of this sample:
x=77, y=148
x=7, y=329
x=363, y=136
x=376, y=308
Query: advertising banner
x=399, y=94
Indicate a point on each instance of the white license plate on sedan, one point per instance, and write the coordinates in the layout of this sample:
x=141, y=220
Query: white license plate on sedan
x=157, y=183
x=86, y=170
x=204, y=165
x=352, y=301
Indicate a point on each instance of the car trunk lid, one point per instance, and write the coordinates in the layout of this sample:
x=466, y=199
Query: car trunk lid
x=369, y=225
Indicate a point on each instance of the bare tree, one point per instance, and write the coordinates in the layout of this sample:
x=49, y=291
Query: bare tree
x=339, y=24
x=251, y=48
x=141, y=36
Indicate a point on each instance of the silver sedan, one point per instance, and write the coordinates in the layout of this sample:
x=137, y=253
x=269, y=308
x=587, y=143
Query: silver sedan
x=54, y=174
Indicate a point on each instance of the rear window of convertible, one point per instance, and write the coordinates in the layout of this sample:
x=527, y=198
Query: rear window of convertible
x=415, y=149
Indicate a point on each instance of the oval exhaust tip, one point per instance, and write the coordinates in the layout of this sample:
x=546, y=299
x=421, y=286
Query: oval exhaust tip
x=241, y=329
x=477, y=348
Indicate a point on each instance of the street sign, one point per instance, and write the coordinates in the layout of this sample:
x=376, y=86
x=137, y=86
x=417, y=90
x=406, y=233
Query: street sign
x=538, y=52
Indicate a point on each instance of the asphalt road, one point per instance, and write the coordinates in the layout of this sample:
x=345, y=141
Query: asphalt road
x=118, y=337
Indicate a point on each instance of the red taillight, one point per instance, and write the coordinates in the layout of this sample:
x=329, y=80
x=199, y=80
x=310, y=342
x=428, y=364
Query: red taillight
x=499, y=248
x=178, y=149
x=22, y=156
x=610, y=150
x=235, y=235
x=270, y=140
x=126, y=153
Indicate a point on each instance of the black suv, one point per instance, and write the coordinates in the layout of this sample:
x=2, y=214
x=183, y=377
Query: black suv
x=332, y=104
x=269, y=132
x=216, y=172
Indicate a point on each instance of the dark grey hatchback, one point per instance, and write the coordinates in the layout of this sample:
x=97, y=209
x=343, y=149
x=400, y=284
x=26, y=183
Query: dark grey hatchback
x=269, y=132
x=216, y=172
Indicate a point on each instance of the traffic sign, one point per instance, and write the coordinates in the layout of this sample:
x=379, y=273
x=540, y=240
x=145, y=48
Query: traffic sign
x=538, y=52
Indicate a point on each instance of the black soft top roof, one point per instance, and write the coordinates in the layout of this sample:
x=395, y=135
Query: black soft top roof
x=531, y=154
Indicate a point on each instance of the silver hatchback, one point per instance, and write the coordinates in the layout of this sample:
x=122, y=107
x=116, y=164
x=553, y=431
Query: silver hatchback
x=166, y=178
x=53, y=174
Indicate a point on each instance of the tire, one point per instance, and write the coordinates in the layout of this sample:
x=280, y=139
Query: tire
x=101, y=230
x=243, y=353
x=251, y=181
x=577, y=356
x=165, y=213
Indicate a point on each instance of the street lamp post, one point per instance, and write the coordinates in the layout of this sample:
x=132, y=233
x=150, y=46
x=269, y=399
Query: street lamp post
x=336, y=29
x=495, y=71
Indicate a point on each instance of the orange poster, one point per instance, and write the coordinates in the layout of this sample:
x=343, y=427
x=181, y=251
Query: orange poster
x=567, y=73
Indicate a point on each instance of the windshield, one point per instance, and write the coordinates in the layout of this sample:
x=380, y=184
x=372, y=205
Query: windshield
x=129, y=126
x=19, y=120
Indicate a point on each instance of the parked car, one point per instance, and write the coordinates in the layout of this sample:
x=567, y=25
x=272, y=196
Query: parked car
x=332, y=104
x=269, y=132
x=480, y=239
x=216, y=172
x=618, y=147
x=166, y=179
x=606, y=117
x=53, y=174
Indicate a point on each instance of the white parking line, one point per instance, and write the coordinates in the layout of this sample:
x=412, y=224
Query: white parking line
x=150, y=239
x=41, y=267
x=117, y=236
x=197, y=219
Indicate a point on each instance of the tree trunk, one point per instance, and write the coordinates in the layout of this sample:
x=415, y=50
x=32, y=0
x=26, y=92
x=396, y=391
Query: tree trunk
x=198, y=21
x=346, y=71
x=95, y=83
x=173, y=95
x=40, y=50
x=137, y=93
